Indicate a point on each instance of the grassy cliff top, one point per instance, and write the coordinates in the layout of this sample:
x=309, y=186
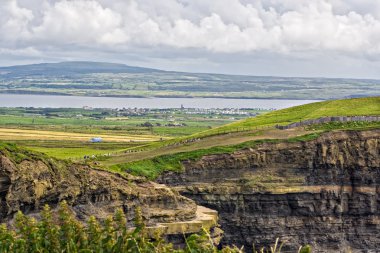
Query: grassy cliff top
x=347, y=107
x=151, y=166
x=19, y=154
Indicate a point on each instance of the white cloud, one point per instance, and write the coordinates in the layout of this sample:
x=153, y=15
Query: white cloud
x=14, y=21
x=285, y=27
x=77, y=22
x=219, y=26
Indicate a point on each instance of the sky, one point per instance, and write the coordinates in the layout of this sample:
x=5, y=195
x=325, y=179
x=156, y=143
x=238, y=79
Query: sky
x=324, y=38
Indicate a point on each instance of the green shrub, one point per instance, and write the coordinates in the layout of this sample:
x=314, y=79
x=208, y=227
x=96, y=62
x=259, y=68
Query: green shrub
x=64, y=233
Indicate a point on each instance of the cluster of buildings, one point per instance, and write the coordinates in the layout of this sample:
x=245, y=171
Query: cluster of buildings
x=182, y=110
x=224, y=111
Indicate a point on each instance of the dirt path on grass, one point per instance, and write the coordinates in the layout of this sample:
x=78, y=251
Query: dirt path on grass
x=209, y=142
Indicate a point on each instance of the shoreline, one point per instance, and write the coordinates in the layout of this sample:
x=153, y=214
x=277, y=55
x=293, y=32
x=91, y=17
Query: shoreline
x=159, y=96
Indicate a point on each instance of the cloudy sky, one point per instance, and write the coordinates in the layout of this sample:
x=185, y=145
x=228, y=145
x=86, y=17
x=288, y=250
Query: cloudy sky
x=332, y=38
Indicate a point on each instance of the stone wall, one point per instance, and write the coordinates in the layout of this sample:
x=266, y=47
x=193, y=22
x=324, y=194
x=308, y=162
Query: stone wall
x=329, y=119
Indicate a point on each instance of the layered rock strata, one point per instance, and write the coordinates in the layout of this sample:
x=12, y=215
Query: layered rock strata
x=32, y=183
x=323, y=192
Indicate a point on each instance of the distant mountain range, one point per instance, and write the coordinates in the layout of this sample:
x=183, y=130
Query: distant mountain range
x=73, y=67
x=81, y=78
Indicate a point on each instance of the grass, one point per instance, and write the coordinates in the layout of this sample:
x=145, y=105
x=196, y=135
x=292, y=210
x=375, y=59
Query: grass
x=265, y=124
x=154, y=166
x=151, y=168
x=347, y=107
x=354, y=125
x=73, y=149
x=58, y=132
x=96, y=123
x=18, y=154
x=72, y=153
x=51, y=130
x=35, y=127
x=28, y=134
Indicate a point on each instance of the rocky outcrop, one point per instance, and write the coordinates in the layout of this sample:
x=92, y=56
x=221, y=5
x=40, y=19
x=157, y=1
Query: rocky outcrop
x=323, y=192
x=28, y=181
x=32, y=183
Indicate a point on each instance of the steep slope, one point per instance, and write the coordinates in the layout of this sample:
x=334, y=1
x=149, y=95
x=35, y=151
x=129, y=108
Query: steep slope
x=347, y=107
x=323, y=192
x=167, y=155
x=30, y=180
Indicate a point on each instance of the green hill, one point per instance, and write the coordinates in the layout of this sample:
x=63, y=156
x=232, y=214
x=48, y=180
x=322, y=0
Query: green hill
x=71, y=68
x=81, y=78
x=346, y=107
x=151, y=167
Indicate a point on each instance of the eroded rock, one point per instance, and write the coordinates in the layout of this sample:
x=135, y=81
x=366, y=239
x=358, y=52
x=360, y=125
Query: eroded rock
x=323, y=192
x=31, y=184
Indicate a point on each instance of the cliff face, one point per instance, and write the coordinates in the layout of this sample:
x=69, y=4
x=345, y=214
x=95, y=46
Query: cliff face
x=30, y=184
x=323, y=192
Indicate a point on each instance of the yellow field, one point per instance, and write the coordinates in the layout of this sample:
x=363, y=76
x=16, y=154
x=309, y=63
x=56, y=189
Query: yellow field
x=24, y=134
x=117, y=118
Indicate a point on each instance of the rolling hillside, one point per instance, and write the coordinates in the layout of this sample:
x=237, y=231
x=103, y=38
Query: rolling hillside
x=346, y=107
x=226, y=139
x=110, y=79
x=70, y=68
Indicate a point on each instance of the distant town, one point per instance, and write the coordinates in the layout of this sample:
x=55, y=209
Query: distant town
x=249, y=112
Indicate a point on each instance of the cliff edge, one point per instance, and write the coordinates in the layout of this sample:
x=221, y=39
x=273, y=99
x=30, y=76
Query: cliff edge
x=323, y=192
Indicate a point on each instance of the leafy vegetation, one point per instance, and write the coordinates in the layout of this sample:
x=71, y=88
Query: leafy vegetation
x=62, y=232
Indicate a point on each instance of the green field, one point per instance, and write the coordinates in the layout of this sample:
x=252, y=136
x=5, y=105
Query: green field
x=265, y=121
x=151, y=166
x=66, y=133
x=75, y=150
x=103, y=121
x=347, y=107
x=99, y=126
x=72, y=153
x=106, y=79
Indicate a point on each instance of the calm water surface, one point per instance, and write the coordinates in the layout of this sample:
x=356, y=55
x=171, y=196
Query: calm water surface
x=13, y=100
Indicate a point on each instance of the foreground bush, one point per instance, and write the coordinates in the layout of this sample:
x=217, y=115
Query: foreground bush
x=63, y=233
